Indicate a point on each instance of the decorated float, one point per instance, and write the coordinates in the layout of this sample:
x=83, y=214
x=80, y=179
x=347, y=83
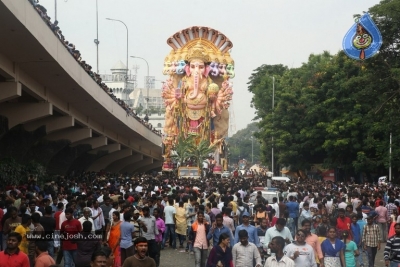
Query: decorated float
x=198, y=91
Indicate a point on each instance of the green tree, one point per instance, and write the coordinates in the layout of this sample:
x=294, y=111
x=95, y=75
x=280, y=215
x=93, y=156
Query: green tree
x=241, y=143
x=181, y=149
x=12, y=172
x=200, y=152
x=331, y=110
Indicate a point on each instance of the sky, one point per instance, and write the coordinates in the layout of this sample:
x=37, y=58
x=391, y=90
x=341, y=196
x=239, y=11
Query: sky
x=262, y=32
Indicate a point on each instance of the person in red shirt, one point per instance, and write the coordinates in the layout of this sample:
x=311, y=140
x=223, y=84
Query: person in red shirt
x=343, y=223
x=69, y=230
x=378, y=198
x=12, y=256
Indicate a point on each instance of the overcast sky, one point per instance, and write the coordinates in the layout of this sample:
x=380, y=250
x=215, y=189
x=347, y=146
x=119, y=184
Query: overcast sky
x=262, y=31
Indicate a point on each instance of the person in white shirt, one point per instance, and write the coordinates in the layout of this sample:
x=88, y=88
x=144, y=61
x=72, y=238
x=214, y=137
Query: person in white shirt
x=278, y=259
x=245, y=253
x=170, y=222
x=300, y=252
x=275, y=206
x=278, y=230
x=356, y=202
x=328, y=204
x=242, y=193
x=97, y=216
x=221, y=203
x=139, y=189
x=86, y=217
x=306, y=213
x=62, y=200
x=114, y=208
x=343, y=204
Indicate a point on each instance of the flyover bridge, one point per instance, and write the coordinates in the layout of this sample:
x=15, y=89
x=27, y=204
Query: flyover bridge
x=53, y=112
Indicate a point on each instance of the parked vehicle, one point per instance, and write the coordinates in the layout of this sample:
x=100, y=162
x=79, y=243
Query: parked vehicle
x=267, y=193
x=226, y=174
x=282, y=179
x=189, y=172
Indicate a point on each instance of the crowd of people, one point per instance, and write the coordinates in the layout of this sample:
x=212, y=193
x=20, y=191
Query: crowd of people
x=119, y=220
x=88, y=68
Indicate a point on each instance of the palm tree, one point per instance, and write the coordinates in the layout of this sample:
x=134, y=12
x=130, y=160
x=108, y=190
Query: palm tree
x=201, y=151
x=181, y=150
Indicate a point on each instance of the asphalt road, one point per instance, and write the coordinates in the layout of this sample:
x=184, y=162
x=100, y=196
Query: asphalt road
x=175, y=258
x=179, y=258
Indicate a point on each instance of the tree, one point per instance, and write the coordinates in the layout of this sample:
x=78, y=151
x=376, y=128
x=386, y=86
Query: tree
x=181, y=149
x=332, y=110
x=13, y=173
x=240, y=144
x=200, y=151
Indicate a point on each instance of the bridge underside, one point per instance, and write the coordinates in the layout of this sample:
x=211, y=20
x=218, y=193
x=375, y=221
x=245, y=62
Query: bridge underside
x=69, y=149
x=52, y=112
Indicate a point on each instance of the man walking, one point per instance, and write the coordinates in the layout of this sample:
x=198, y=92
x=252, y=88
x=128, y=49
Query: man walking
x=278, y=230
x=198, y=237
x=140, y=258
x=312, y=240
x=149, y=231
x=127, y=230
x=382, y=220
x=371, y=239
x=12, y=256
x=70, y=227
x=293, y=209
x=217, y=229
x=392, y=249
x=190, y=218
x=251, y=230
x=161, y=229
x=278, y=258
x=245, y=253
x=98, y=218
x=86, y=217
x=170, y=222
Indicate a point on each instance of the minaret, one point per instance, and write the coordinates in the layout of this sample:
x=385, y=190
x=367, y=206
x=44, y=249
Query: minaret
x=119, y=74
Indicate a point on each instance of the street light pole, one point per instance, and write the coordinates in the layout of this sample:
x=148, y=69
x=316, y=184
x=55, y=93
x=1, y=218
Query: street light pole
x=96, y=41
x=127, y=49
x=252, y=138
x=390, y=157
x=273, y=106
x=147, y=83
x=55, y=10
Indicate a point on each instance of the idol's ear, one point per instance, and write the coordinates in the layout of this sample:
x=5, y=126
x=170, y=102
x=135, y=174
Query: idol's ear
x=207, y=70
x=187, y=69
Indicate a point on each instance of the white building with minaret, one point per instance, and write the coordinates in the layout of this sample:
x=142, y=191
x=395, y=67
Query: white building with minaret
x=123, y=84
x=124, y=87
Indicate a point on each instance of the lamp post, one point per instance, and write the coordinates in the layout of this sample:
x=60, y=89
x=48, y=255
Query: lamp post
x=252, y=139
x=96, y=41
x=273, y=107
x=390, y=157
x=55, y=10
x=127, y=46
x=147, y=83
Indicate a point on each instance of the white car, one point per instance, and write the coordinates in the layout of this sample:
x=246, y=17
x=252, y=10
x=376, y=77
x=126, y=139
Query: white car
x=226, y=174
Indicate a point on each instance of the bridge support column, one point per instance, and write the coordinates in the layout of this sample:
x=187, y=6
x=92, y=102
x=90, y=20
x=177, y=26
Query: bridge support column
x=135, y=166
x=120, y=164
x=73, y=135
x=10, y=90
x=18, y=113
x=155, y=164
x=105, y=161
x=52, y=123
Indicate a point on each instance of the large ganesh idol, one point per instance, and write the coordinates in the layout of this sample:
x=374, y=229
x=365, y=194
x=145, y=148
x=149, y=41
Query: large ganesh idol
x=198, y=90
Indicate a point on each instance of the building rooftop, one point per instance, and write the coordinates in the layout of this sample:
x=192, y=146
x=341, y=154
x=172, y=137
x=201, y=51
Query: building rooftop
x=119, y=66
